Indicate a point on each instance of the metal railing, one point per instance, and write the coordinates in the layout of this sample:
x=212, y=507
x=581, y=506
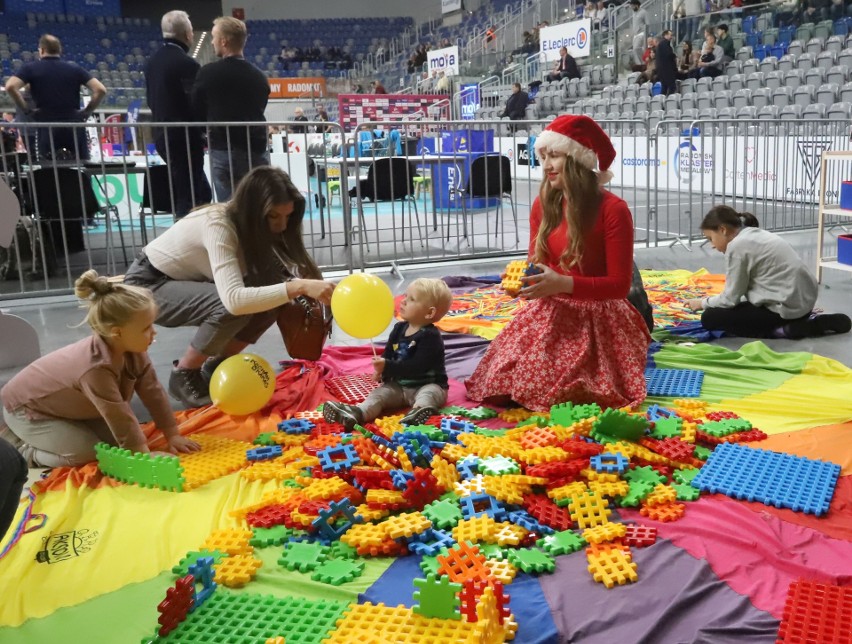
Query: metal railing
x=77, y=213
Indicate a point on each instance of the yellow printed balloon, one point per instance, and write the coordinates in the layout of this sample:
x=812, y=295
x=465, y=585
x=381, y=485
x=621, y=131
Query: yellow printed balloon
x=242, y=384
x=362, y=305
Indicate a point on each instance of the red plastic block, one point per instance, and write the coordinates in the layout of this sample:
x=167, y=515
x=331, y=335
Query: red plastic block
x=753, y=434
x=817, y=613
x=269, y=516
x=721, y=415
x=373, y=479
x=473, y=589
x=672, y=448
x=176, y=606
x=547, y=512
x=640, y=536
x=558, y=470
x=351, y=389
x=422, y=489
x=581, y=448
x=321, y=428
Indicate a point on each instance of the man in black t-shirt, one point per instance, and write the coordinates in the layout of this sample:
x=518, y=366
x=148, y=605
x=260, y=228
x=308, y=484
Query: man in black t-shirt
x=228, y=90
x=55, y=89
x=169, y=75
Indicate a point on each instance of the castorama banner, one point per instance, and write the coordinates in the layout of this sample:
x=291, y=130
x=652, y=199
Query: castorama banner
x=444, y=60
x=576, y=36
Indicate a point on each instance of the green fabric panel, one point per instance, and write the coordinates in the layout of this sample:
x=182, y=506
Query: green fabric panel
x=130, y=614
x=731, y=374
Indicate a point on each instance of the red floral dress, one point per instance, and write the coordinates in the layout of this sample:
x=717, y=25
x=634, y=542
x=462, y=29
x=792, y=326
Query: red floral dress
x=590, y=346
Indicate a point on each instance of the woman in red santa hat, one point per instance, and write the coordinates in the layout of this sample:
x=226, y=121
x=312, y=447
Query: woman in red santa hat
x=578, y=339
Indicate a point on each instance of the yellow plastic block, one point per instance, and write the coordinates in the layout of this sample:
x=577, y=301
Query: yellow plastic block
x=334, y=488
x=235, y=572
x=476, y=529
x=267, y=471
x=510, y=534
x=365, y=534
x=662, y=495
x=516, y=415
x=589, y=509
x=218, y=457
x=231, y=542
x=540, y=455
x=406, y=525
x=567, y=491
x=404, y=461
x=612, y=567
x=391, y=497
x=514, y=273
x=470, y=486
x=621, y=488
x=279, y=495
x=501, y=570
x=687, y=432
x=603, y=477
x=445, y=472
x=283, y=438
x=605, y=532
x=368, y=623
x=371, y=514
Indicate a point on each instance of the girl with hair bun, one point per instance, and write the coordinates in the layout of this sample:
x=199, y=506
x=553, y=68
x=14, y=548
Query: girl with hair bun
x=59, y=407
x=769, y=293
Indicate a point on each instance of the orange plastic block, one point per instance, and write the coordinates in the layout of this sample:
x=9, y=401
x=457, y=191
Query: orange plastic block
x=480, y=528
x=365, y=534
x=368, y=624
x=463, y=563
x=387, y=548
x=664, y=513
x=589, y=509
x=514, y=273
x=231, y=542
x=218, y=457
x=662, y=495
x=612, y=568
x=406, y=525
x=321, y=442
x=605, y=532
x=445, y=472
x=604, y=548
x=563, y=433
x=584, y=427
x=538, y=437
x=236, y=572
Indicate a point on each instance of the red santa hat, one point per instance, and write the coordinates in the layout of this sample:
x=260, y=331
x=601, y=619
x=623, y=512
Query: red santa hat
x=580, y=137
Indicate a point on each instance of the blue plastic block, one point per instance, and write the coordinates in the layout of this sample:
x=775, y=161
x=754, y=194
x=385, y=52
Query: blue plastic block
x=295, y=426
x=431, y=542
x=451, y=424
x=477, y=505
x=781, y=480
x=336, y=509
x=655, y=412
x=400, y=478
x=681, y=383
x=264, y=453
x=468, y=467
x=528, y=522
x=338, y=458
x=609, y=463
x=202, y=572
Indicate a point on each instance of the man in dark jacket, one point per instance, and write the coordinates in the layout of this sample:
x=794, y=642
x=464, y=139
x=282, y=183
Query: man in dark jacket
x=666, y=64
x=169, y=76
x=516, y=106
x=566, y=67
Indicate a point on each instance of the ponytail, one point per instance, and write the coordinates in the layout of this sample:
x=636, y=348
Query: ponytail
x=719, y=216
x=110, y=304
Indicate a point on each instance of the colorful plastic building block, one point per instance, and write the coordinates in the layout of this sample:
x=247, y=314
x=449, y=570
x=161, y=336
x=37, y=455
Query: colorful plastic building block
x=351, y=389
x=176, y=606
x=773, y=478
x=640, y=536
x=264, y=453
x=202, y=573
x=295, y=426
x=336, y=511
x=816, y=612
x=561, y=543
x=302, y=556
x=274, y=536
x=613, y=425
x=609, y=463
x=338, y=459
x=181, y=569
x=437, y=597
x=482, y=505
x=546, y=512
x=236, y=572
x=145, y=470
x=515, y=272
x=498, y=466
x=231, y=542
x=612, y=567
x=480, y=413
x=532, y=560
x=218, y=457
x=589, y=509
x=667, y=427
x=338, y=571
x=462, y=563
x=472, y=594
x=674, y=382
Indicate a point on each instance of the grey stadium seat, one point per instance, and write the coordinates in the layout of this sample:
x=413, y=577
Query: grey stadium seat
x=803, y=95
x=827, y=94
x=761, y=97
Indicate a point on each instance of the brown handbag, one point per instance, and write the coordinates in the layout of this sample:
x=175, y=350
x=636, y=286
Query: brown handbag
x=305, y=324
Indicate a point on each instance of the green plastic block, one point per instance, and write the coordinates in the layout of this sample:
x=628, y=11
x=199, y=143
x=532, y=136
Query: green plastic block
x=437, y=597
x=274, y=536
x=444, y=514
x=561, y=543
x=340, y=550
x=289, y=483
x=566, y=414
x=247, y=618
x=538, y=421
x=303, y=556
x=498, y=466
x=338, y=571
x=490, y=433
x=726, y=427
x=638, y=491
x=480, y=413
x=181, y=569
x=163, y=472
x=532, y=560
x=264, y=439
x=702, y=453
x=453, y=410
x=685, y=475
x=492, y=551
x=429, y=565
x=685, y=492
x=667, y=428
x=619, y=425
x=645, y=473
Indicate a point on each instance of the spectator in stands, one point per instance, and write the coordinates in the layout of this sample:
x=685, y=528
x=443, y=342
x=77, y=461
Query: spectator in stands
x=687, y=61
x=231, y=90
x=516, y=105
x=711, y=62
x=378, y=88
x=649, y=73
x=638, y=28
x=650, y=48
x=691, y=10
x=443, y=84
x=565, y=67
x=55, y=88
x=837, y=11
x=445, y=42
x=299, y=115
x=811, y=12
x=602, y=19
x=490, y=37
x=169, y=76
x=786, y=13
x=322, y=115
x=667, y=64
x=726, y=43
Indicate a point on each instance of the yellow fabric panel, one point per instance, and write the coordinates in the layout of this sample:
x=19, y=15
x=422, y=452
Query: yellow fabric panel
x=91, y=529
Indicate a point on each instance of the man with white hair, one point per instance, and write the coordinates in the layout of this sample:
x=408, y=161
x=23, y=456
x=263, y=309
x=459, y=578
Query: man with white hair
x=169, y=76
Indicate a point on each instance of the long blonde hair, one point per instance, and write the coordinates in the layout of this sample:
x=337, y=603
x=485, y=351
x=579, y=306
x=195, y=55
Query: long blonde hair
x=583, y=196
x=110, y=304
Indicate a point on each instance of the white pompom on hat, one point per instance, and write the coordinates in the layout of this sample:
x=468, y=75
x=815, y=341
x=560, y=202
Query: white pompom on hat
x=580, y=137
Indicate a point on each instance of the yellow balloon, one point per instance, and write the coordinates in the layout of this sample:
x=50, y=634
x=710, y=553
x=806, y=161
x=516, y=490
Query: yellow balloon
x=362, y=305
x=242, y=384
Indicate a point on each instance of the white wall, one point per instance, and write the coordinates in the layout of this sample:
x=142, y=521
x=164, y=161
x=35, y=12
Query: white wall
x=420, y=10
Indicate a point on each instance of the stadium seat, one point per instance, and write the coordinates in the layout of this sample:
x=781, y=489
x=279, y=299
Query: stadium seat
x=840, y=112
x=734, y=67
x=768, y=64
x=773, y=80
x=826, y=60
x=750, y=66
x=736, y=82
x=783, y=96
x=744, y=53
x=794, y=78
x=722, y=99
x=815, y=77
x=741, y=98
x=804, y=95
x=834, y=44
x=837, y=75
x=827, y=94
x=761, y=97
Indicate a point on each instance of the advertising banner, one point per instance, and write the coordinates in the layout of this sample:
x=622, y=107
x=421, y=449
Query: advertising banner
x=448, y=6
x=444, y=60
x=469, y=96
x=296, y=87
x=576, y=36
x=93, y=7
x=363, y=108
